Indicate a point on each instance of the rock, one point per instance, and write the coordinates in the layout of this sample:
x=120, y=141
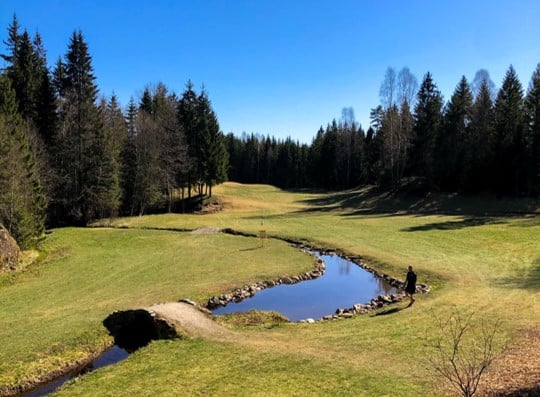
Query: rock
x=385, y=299
x=288, y=280
x=346, y=315
x=9, y=250
x=310, y=321
x=188, y=301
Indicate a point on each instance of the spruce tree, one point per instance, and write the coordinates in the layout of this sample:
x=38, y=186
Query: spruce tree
x=86, y=178
x=427, y=125
x=22, y=201
x=13, y=41
x=509, y=164
x=452, y=141
x=27, y=69
x=532, y=105
x=211, y=157
x=187, y=117
x=128, y=157
x=478, y=153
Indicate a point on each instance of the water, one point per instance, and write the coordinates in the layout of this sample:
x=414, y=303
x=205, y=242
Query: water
x=111, y=356
x=343, y=285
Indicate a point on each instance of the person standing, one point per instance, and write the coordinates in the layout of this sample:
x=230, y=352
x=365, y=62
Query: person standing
x=410, y=285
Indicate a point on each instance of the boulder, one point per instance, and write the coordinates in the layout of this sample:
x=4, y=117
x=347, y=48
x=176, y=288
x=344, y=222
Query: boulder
x=9, y=250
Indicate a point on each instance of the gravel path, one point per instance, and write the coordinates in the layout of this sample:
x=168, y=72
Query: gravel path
x=190, y=321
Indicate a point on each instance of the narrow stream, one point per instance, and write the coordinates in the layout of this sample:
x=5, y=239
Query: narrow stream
x=343, y=285
x=111, y=356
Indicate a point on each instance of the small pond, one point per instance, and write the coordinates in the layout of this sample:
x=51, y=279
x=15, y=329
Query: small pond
x=343, y=285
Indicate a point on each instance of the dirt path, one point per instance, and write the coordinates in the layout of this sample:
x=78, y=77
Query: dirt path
x=191, y=321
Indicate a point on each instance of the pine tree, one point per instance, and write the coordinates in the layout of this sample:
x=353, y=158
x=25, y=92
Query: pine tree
x=532, y=105
x=509, y=164
x=428, y=118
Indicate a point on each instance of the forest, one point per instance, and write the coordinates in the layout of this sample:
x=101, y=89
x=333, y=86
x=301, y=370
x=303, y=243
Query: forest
x=69, y=156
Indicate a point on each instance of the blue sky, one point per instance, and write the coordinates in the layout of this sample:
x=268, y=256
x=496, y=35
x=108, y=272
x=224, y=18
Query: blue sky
x=284, y=68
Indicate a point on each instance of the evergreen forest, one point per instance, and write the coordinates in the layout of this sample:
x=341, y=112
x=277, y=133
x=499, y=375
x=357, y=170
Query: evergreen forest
x=69, y=156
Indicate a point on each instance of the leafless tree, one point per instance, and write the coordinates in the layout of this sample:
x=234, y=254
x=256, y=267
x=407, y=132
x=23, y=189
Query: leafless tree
x=407, y=85
x=464, y=349
x=482, y=75
x=387, y=91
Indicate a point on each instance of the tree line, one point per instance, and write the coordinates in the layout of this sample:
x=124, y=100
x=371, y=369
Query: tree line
x=68, y=156
x=481, y=140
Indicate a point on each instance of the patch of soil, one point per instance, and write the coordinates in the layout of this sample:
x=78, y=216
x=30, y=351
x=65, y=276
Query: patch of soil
x=516, y=373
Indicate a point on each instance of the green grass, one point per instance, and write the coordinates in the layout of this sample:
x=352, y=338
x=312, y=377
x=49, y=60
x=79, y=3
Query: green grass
x=476, y=258
x=54, y=313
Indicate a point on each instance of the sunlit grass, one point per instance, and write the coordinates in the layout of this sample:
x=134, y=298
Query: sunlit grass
x=488, y=264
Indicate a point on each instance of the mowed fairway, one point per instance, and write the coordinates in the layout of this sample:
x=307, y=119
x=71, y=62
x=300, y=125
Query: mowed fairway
x=475, y=262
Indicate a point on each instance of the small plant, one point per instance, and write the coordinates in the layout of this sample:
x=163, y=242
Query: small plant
x=464, y=349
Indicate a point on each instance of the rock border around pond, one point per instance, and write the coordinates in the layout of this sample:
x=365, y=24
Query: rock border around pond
x=380, y=301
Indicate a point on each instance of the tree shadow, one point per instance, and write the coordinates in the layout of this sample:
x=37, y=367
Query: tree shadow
x=455, y=225
x=529, y=279
x=373, y=200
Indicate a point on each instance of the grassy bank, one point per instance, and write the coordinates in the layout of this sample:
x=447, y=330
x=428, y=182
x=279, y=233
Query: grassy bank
x=481, y=255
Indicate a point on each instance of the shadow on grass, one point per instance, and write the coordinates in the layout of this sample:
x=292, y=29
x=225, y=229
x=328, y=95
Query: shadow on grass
x=529, y=279
x=390, y=311
x=455, y=225
x=533, y=391
x=251, y=249
x=477, y=210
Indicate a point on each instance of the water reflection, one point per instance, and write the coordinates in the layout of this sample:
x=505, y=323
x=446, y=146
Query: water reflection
x=343, y=285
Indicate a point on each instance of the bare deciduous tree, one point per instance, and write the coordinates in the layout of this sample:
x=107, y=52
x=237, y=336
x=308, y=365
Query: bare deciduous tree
x=407, y=85
x=387, y=91
x=464, y=349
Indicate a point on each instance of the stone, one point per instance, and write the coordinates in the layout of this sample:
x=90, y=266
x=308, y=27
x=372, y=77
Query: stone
x=310, y=321
x=9, y=250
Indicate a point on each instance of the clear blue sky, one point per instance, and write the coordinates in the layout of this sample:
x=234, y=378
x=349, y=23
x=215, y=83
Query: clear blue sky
x=285, y=67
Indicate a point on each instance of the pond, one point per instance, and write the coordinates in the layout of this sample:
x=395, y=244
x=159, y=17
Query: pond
x=343, y=285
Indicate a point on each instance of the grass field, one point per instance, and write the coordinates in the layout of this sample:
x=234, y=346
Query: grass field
x=480, y=255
